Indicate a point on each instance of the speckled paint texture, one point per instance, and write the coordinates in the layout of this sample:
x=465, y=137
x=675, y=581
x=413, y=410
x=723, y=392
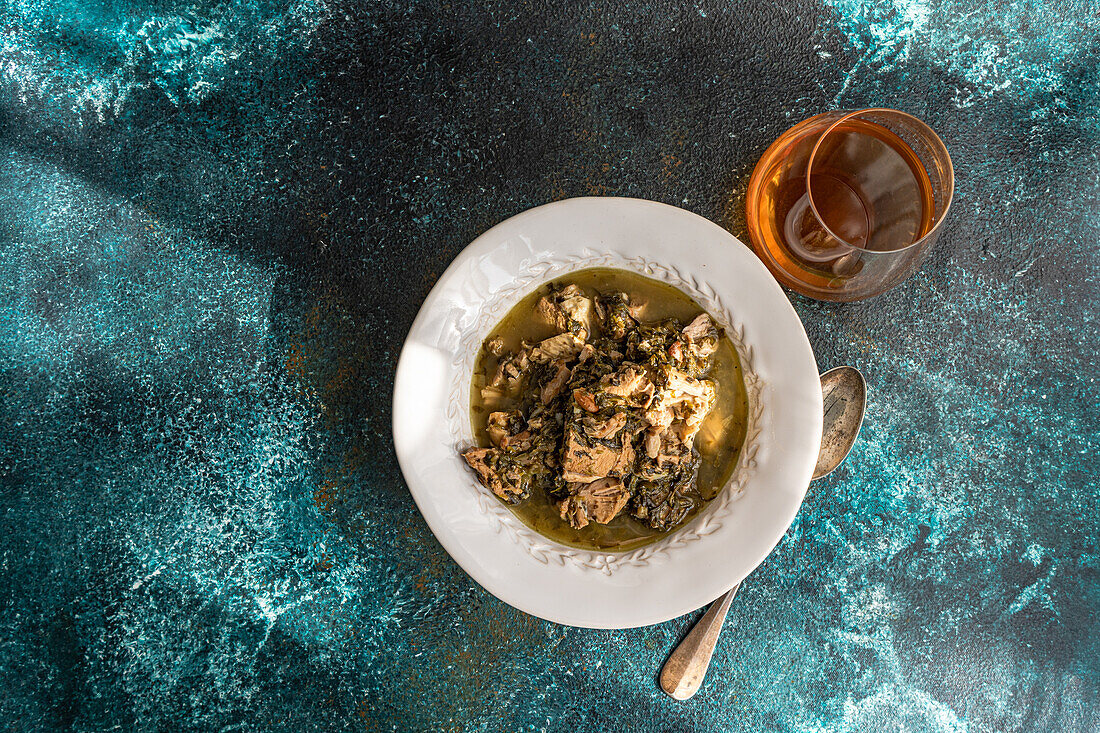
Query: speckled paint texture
x=217, y=223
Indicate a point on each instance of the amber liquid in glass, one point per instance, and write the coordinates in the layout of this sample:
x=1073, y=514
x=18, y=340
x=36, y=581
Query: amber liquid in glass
x=869, y=187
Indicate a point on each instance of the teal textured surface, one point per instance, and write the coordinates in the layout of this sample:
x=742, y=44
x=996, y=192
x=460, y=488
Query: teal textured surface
x=217, y=223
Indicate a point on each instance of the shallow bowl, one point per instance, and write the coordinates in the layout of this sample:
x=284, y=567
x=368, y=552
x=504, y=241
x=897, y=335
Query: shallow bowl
x=719, y=546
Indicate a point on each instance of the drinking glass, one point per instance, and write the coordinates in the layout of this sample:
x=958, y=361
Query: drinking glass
x=847, y=204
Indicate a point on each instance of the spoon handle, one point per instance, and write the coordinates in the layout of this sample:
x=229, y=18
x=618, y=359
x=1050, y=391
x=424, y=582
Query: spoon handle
x=686, y=667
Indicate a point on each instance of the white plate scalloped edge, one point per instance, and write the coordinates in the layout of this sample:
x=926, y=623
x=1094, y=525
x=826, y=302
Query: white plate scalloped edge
x=720, y=546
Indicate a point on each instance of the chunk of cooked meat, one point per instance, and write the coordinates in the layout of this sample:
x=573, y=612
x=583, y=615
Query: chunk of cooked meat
x=606, y=429
x=700, y=329
x=700, y=337
x=624, y=382
x=676, y=351
x=682, y=384
x=507, y=483
x=498, y=426
x=553, y=388
x=682, y=397
x=585, y=460
x=568, y=310
x=638, y=308
x=670, y=454
x=573, y=511
x=511, y=372
x=605, y=498
x=506, y=430
x=562, y=347
x=630, y=383
x=659, y=415
x=599, y=501
x=685, y=431
x=585, y=399
x=549, y=312
x=493, y=397
x=577, y=308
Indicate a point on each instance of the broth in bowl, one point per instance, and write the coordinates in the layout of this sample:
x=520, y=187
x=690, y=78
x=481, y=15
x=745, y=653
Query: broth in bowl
x=608, y=407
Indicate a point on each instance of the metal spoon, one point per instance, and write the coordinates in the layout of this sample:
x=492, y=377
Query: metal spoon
x=844, y=394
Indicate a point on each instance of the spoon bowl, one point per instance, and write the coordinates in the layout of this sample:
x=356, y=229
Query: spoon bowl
x=844, y=394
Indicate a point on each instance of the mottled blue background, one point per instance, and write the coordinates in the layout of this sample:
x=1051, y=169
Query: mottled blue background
x=217, y=223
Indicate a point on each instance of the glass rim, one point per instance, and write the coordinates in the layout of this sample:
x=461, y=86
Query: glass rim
x=924, y=129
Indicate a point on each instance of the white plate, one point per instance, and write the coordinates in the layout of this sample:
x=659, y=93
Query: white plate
x=720, y=546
